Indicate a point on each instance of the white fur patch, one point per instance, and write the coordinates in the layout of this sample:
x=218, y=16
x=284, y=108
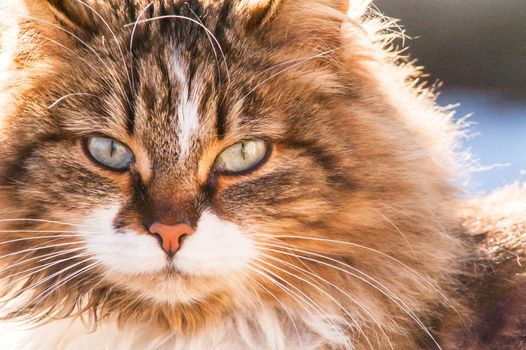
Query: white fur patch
x=217, y=247
x=127, y=252
x=187, y=111
x=255, y=329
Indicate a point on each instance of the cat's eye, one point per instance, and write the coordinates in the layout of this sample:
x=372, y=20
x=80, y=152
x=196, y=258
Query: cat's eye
x=242, y=157
x=109, y=153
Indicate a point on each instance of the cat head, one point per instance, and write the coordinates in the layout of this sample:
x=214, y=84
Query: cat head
x=180, y=159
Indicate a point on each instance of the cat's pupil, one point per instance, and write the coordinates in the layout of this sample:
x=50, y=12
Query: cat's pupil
x=112, y=148
x=243, y=151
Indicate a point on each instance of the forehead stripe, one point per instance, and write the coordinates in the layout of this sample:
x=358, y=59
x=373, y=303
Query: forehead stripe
x=187, y=110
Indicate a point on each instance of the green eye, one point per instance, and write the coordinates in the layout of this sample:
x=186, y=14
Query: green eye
x=109, y=153
x=242, y=157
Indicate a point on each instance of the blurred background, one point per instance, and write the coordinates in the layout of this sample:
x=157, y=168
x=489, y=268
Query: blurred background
x=477, y=49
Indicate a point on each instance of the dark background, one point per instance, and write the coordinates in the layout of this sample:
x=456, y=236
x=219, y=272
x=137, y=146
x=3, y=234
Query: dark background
x=477, y=49
x=467, y=43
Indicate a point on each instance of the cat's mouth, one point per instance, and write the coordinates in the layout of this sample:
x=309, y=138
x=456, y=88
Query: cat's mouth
x=170, y=285
x=172, y=271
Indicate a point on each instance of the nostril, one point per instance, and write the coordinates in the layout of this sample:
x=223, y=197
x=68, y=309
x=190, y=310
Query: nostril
x=182, y=239
x=159, y=238
x=170, y=237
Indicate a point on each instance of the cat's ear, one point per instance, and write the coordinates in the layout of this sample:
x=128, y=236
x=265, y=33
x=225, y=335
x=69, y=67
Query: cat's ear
x=303, y=22
x=74, y=15
x=258, y=12
x=263, y=12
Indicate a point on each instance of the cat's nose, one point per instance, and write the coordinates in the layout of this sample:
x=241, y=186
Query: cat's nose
x=170, y=236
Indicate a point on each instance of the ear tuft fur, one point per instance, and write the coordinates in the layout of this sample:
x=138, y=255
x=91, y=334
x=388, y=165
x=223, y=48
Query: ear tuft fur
x=73, y=14
x=261, y=12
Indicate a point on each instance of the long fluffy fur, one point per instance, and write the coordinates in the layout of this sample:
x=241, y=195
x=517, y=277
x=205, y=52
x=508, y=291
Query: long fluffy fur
x=353, y=215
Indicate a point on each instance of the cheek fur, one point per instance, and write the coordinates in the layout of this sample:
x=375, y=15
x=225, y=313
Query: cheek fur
x=217, y=247
x=123, y=252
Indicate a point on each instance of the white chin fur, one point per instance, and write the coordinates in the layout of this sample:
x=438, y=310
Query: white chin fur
x=216, y=248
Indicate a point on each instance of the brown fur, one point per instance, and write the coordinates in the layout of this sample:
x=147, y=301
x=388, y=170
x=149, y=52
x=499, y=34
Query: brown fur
x=498, y=226
x=360, y=155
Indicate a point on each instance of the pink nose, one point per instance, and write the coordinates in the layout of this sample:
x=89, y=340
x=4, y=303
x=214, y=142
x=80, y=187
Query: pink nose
x=170, y=236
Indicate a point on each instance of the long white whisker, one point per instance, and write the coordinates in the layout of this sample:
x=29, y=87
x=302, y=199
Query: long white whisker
x=41, y=257
x=306, y=299
x=375, y=284
x=302, y=301
x=41, y=221
x=85, y=44
x=324, y=292
x=37, y=231
x=70, y=95
x=354, y=300
x=38, y=269
x=143, y=11
x=39, y=248
x=35, y=238
x=39, y=298
x=390, y=222
x=59, y=234
x=302, y=61
x=79, y=57
x=282, y=306
x=55, y=274
x=211, y=35
x=361, y=247
x=83, y=3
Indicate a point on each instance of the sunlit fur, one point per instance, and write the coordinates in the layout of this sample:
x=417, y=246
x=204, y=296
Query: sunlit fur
x=344, y=238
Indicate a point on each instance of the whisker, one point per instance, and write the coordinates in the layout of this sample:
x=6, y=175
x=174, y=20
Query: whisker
x=301, y=61
x=54, y=255
x=143, y=11
x=70, y=95
x=53, y=275
x=373, y=283
x=38, y=248
x=38, y=269
x=41, y=257
x=108, y=83
x=365, y=248
x=354, y=300
x=39, y=298
x=398, y=230
x=302, y=301
x=125, y=64
x=287, y=290
x=214, y=49
x=85, y=44
x=282, y=306
x=324, y=292
x=304, y=298
x=56, y=234
x=211, y=35
x=36, y=284
x=41, y=221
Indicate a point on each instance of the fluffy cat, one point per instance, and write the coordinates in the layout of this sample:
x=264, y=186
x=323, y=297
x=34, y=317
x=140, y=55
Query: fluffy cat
x=215, y=174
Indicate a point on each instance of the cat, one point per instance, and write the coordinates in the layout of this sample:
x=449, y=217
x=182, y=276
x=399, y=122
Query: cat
x=215, y=174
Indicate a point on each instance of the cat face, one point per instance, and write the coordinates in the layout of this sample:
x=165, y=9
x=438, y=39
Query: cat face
x=208, y=154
